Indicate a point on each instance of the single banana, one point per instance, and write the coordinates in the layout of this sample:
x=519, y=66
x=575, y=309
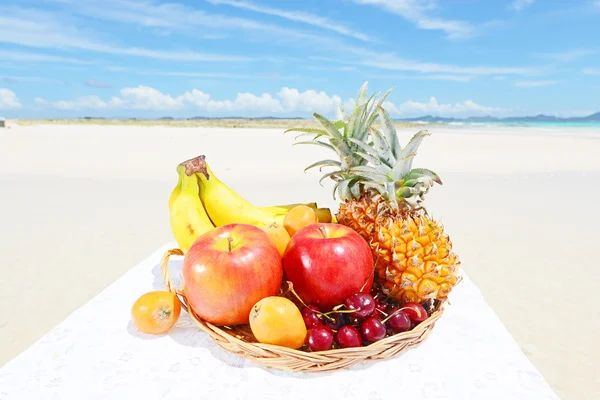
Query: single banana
x=323, y=214
x=224, y=205
x=284, y=208
x=187, y=214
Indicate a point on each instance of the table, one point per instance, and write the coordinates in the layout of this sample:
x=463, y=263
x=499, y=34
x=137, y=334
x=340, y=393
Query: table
x=96, y=353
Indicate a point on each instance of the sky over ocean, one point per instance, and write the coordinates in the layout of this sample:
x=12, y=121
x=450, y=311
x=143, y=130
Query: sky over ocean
x=149, y=58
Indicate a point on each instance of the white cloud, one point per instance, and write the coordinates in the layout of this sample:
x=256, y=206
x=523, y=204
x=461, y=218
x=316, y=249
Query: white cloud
x=28, y=27
x=427, y=77
x=392, y=62
x=519, y=5
x=308, y=101
x=285, y=101
x=173, y=16
x=444, y=77
x=433, y=107
x=148, y=98
x=297, y=16
x=591, y=71
x=8, y=99
x=97, y=84
x=568, y=55
x=419, y=13
x=528, y=84
x=37, y=57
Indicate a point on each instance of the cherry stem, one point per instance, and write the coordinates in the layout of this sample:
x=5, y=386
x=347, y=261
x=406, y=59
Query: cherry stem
x=291, y=289
x=381, y=311
x=340, y=312
x=367, y=281
x=394, y=313
x=230, y=239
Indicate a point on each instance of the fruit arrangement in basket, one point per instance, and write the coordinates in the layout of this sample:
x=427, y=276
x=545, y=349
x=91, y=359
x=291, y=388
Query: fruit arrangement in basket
x=298, y=288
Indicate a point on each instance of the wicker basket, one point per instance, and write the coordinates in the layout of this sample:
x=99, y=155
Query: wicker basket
x=240, y=340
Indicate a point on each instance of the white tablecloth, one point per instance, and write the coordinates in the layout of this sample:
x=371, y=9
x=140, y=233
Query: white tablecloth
x=96, y=353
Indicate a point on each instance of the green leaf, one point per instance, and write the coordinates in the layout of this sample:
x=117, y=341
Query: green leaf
x=373, y=160
x=413, y=144
x=404, y=164
x=427, y=172
x=403, y=192
x=362, y=93
x=382, y=147
x=374, y=185
x=402, y=167
x=340, y=113
x=390, y=131
x=368, y=149
x=306, y=130
x=370, y=173
x=339, y=124
x=327, y=175
x=318, y=143
x=343, y=189
x=339, y=139
x=324, y=163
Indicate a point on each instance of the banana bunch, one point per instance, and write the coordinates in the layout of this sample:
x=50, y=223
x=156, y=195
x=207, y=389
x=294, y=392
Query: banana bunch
x=201, y=202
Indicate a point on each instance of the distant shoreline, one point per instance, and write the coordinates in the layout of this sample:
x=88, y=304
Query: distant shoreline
x=274, y=123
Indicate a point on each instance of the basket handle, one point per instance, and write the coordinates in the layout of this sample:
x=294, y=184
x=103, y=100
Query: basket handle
x=164, y=267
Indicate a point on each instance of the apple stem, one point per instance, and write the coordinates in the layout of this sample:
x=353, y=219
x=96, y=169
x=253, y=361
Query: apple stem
x=229, y=240
x=322, y=229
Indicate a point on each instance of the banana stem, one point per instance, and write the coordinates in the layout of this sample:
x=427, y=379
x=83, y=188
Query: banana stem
x=196, y=165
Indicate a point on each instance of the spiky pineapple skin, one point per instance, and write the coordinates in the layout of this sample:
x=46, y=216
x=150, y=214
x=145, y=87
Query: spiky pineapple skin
x=413, y=256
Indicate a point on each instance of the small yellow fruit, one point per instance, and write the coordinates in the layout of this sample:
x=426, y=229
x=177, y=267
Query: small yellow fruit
x=155, y=312
x=276, y=320
x=299, y=217
x=278, y=235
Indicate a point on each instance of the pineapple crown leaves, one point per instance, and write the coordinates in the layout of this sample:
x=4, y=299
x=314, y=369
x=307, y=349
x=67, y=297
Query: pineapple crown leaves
x=370, y=159
x=342, y=134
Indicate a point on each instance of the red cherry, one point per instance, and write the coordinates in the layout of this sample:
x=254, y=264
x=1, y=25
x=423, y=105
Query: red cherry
x=319, y=338
x=372, y=329
x=311, y=318
x=348, y=336
x=415, y=312
x=339, y=320
x=363, y=303
x=381, y=308
x=399, y=321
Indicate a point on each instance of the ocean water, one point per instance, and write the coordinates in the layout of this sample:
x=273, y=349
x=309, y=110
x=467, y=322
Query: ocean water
x=533, y=124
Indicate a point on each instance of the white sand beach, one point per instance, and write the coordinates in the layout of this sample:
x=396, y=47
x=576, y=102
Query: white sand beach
x=81, y=204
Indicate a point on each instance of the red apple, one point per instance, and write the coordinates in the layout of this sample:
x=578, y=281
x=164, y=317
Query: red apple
x=326, y=263
x=229, y=269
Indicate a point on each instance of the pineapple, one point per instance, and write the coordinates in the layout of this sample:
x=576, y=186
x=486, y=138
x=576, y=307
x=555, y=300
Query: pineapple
x=382, y=199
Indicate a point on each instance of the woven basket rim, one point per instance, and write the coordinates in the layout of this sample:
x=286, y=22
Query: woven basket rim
x=279, y=356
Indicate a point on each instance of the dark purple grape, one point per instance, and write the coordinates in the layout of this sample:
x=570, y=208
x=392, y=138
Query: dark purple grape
x=319, y=338
x=372, y=330
x=348, y=336
x=363, y=303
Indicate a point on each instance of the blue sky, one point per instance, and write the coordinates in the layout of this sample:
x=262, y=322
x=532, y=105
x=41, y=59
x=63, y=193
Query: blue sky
x=150, y=58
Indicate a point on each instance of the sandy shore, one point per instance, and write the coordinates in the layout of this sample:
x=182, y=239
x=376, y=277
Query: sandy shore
x=83, y=204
